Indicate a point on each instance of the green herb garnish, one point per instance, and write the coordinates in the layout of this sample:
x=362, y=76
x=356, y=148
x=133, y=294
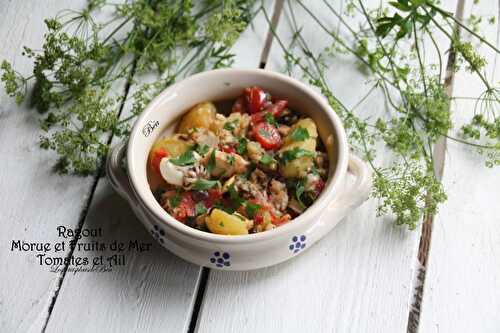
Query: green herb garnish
x=299, y=190
x=231, y=159
x=299, y=134
x=211, y=162
x=204, y=184
x=175, y=200
x=294, y=153
x=266, y=159
x=242, y=146
x=201, y=149
x=269, y=118
x=251, y=209
x=200, y=208
x=231, y=125
x=186, y=158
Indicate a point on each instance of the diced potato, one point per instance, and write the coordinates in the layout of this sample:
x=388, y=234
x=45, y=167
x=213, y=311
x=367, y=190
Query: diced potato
x=172, y=145
x=298, y=168
x=222, y=223
x=306, y=123
x=200, y=116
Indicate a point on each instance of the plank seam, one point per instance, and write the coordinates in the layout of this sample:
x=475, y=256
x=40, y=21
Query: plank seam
x=278, y=8
x=205, y=273
x=86, y=207
x=427, y=227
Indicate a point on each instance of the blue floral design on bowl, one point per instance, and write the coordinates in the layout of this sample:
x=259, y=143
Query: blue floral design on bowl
x=158, y=234
x=298, y=243
x=221, y=259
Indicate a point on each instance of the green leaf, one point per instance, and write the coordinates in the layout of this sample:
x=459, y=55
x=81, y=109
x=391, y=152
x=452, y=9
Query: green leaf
x=242, y=146
x=175, y=200
x=252, y=209
x=187, y=158
x=204, y=184
x=401, y=6
x=231, y=125
x=292, y=154
x=211, y=162
x=202, y=149
x=266, y=159
x=269, y=118
x=299, y=134
x=200, y=208
x=299, y=190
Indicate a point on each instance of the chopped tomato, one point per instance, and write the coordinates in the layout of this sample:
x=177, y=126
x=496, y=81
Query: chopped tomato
x=277, y=107
x=258, y=117
x=156, y=157
x=239, y=105
x=228, y=149
x=274, y=109
x=186, y=207
x=255, y=98
x=320, y=184
x=267, y=135
x=258, y=219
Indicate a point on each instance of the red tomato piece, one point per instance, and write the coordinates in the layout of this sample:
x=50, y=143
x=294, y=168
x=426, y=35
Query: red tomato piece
x=255, y=98
x=274, y=109
x=239, y=105
x=186, y=207
x=156, y=157
x=228, y=149
x=267, y=135
x=277, y=107
x=257, y=117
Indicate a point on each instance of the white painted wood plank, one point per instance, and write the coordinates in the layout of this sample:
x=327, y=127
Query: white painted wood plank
x=33, y=199
x=462, y=288
x=156, y=290
x=358, y=279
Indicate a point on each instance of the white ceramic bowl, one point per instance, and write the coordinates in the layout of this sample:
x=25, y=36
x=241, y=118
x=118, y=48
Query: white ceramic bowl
x=242, y=252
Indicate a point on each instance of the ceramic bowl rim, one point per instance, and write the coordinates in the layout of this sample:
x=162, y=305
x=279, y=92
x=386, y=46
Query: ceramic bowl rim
x=296, y=224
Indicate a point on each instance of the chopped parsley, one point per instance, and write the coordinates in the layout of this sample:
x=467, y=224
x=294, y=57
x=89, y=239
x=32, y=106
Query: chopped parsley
x=231, y=159
x=231, y=125
x=201, y=149
x=204, y=184
x=242, y=146
x=299, y=190
x=269, y=118
x=266, y=159
x=252, y=209
x=200, y=208
x=299, y=134
x=236, y=200
x=294, y=153
x=175, y=200
x=211, y=162
x=186, y=158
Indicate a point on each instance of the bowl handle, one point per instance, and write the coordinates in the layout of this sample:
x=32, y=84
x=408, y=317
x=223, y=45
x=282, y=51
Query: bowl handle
x=356, y=194
x=117, y=175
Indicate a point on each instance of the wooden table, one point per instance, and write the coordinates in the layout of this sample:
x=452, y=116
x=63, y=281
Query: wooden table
x=366, y=276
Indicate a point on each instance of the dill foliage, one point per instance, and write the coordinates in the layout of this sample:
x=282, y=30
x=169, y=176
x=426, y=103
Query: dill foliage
x=387, y=45
x=86, y=60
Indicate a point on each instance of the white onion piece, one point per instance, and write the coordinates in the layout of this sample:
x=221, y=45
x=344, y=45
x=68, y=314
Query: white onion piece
x=170, y=172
